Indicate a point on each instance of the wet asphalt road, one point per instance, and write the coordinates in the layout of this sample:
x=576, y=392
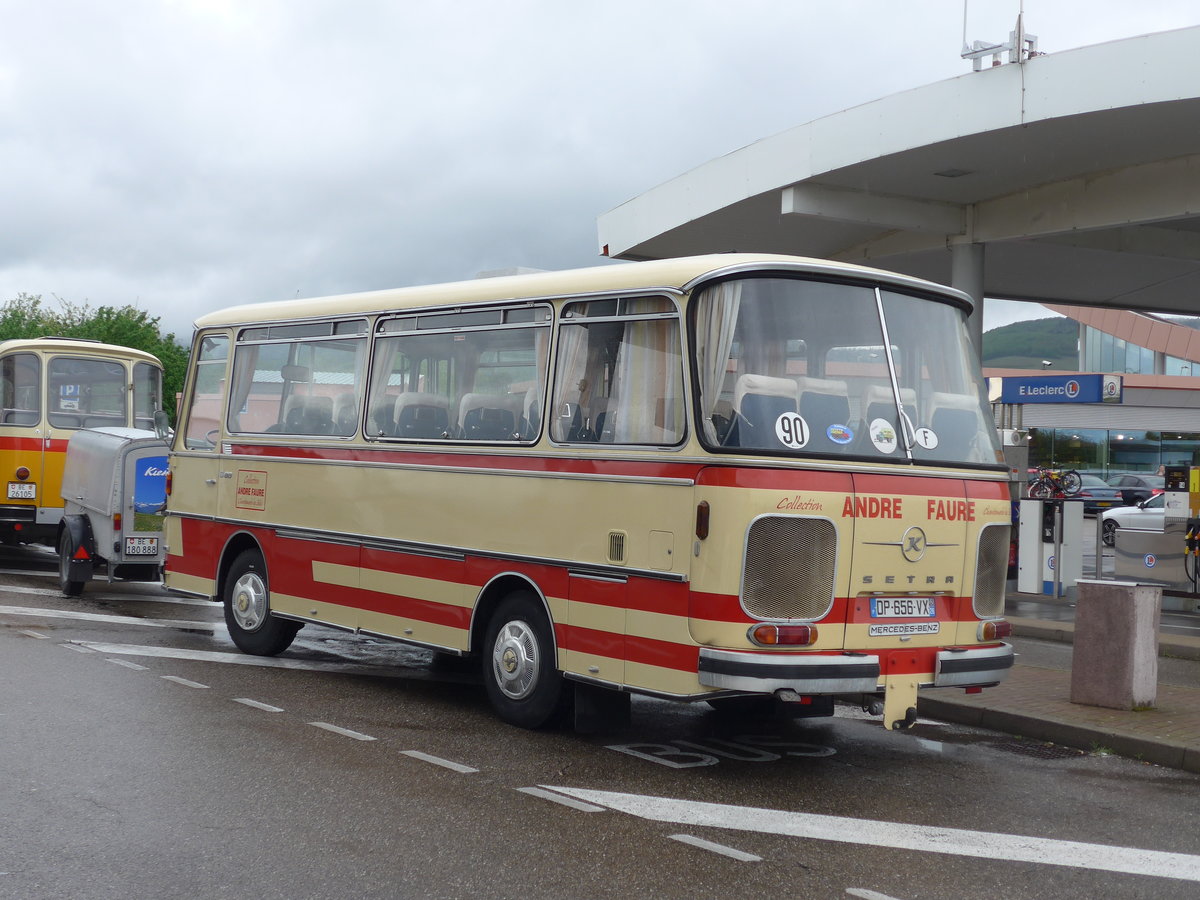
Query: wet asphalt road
x=144, y=757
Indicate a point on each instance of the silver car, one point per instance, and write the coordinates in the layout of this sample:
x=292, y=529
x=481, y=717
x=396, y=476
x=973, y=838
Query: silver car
x=1149, y=515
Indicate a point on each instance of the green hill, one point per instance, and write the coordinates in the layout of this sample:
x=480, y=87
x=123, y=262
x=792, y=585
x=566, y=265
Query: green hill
x=1023, y=345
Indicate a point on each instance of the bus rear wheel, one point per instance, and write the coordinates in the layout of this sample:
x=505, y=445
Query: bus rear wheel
x=247, y=598
x=520, y=672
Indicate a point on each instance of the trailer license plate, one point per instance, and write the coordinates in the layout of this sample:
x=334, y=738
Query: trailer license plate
x=22, y=490
x=902, y=607
x=141, y=546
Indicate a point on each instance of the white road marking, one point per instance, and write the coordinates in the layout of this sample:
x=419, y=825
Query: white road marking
x=715, y=848
x=242, y=659
x=126, y=663
x=438, y=761
x=77, y=648
x=565, y=801
x=265, y=707
x=184, y=681
x=899, y=835
x=111, y=620
x=345, y=732
x=34, y=634
x=868, y=895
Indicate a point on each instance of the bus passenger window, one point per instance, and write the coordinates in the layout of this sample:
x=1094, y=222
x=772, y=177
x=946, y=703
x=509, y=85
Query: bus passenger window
x=449, y=376
x=20, y=376
x=300, y=387
x=620, y=373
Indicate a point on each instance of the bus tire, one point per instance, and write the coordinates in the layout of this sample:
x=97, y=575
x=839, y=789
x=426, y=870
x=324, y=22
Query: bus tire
x=247, y=600
x=66, y=550
x=520, y=672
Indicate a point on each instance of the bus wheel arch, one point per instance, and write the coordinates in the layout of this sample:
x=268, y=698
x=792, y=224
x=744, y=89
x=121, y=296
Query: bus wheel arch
x=518, y=655
x=246, y=597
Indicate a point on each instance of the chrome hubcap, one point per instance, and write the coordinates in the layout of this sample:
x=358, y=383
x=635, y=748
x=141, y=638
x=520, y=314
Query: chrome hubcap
x=249, y=603
x=515, y=663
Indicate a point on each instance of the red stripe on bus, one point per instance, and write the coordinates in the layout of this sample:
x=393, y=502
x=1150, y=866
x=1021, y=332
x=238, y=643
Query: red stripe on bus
x=29, y=444
x=665, y=654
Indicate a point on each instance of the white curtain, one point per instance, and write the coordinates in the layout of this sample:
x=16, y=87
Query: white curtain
x=716, y=320
x=572, y=370
x=646, y=406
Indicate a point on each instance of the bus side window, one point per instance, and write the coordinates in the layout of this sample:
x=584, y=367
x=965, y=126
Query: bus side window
x=207, y=396
x=619, y=377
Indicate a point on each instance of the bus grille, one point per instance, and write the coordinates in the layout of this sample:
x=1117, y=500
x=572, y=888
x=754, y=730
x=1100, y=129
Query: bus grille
x=789, y=568
x=991, y=571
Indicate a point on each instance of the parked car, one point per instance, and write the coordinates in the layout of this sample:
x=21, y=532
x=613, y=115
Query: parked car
x=1149, y=514
x=1097, y=494
x=1137, y=486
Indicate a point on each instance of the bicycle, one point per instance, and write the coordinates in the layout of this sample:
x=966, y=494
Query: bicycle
x=1052, y=483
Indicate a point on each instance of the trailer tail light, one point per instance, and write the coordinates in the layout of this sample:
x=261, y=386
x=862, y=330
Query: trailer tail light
x=116, y=522
x=786, y=635
x=994, y=631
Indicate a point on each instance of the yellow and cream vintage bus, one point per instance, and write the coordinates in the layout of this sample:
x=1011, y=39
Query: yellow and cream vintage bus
x=712, y=478
x=49, y=389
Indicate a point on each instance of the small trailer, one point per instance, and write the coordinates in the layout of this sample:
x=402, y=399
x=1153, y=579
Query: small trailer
x=114, y=489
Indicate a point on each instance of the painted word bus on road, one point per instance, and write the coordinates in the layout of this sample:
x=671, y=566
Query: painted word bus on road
x=49, y=389
x=706, y=478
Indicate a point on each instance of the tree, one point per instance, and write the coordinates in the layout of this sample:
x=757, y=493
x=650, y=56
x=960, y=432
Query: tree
x=126, y=326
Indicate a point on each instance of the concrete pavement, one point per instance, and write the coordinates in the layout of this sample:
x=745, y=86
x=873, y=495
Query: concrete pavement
x=1034, y=702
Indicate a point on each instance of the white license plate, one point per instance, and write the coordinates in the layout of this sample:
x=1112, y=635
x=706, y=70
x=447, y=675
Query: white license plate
x=22, y=490
x=902, y=607
x=141, y=546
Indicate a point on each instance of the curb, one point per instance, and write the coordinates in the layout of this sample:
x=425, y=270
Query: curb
x=1082, y=737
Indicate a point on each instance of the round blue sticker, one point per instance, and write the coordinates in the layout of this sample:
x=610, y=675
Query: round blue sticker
x=840, y=434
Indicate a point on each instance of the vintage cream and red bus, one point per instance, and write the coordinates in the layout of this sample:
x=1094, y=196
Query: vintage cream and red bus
x=699, y=478
x=50, y=388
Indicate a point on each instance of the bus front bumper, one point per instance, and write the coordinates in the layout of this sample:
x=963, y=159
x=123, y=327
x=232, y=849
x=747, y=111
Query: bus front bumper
x=840, y=673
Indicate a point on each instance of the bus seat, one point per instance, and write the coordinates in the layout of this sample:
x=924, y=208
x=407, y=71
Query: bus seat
x=293, y=414
x=879, y=403
x=601, y=424
x=345, y=413
x=824, y=403
x=318, y=415
x=420, y=415
x=487, y=417
x=758, y=401
x=956, y=420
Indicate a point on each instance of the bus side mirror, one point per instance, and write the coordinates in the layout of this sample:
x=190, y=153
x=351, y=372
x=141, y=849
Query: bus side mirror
x=162, y=425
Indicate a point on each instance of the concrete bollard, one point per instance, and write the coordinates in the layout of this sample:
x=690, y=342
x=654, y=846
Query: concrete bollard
x=1115, y=662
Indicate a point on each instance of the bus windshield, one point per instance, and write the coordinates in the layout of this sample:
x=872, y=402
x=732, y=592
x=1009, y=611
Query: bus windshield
x=803, y=367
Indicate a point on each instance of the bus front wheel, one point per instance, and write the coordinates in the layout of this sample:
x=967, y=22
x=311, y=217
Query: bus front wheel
x=248, y=615
x=520, y=672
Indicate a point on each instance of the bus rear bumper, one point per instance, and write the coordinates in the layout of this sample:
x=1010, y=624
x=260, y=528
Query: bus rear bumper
x=806, y=673
x=817, y=673
x=967, y=667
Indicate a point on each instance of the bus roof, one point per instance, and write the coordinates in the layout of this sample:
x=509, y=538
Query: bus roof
x=76, y=345
x=668, y=274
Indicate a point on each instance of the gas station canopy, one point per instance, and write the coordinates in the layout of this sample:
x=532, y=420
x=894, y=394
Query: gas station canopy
x=1070, y=177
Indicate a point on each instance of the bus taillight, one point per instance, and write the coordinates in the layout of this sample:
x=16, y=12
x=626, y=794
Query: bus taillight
x=170, y=478
x=993, y=631
x=792, y=635
x=22, y=473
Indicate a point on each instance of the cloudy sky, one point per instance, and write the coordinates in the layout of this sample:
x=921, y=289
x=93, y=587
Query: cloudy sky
x=185, y=155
